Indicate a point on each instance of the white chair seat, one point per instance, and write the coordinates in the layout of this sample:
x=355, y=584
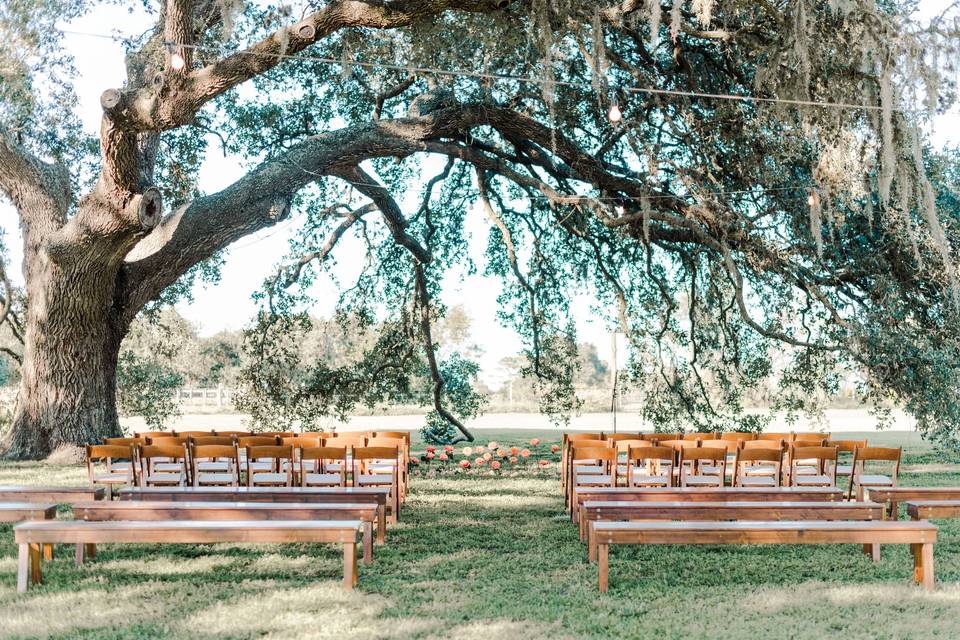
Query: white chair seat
x=703, y=481
x=322, y=479
x=111, y=478
x=647, y=480
x=164, y=478
x=269, y=478
x=874, y=481
x=594, y=480
x=813, y=480
x=214, y=478
x=758, y=481
x=587, y=469
x=844, y=469
x=213, y=466
x=805, y=470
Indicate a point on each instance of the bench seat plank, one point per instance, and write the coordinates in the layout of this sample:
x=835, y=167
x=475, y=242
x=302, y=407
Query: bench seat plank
x=697, y=494
x=150, y=510
x=896, y=495
x=17, y=511
x=598, y=511
x=920, y=535
x=320, y=495
x=924, y=509
x=56, y=495
x=30, y=535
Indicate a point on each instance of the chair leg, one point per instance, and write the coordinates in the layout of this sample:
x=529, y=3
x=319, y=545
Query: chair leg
x=603, y=557
x=923, y=565
x=48, y=552
x=78, y=554
x=591, y=547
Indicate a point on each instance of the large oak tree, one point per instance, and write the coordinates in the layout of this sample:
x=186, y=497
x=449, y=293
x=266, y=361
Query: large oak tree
x=718, y=233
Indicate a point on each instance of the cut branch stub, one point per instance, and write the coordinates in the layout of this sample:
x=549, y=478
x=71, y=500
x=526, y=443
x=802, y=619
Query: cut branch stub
x=149, y=206
x=305, y=30
x=110, y=99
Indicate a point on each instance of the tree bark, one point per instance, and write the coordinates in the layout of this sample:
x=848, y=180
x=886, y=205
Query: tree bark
x=73, y=328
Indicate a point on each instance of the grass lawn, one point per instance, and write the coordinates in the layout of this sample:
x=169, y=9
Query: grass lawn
x=488, y=557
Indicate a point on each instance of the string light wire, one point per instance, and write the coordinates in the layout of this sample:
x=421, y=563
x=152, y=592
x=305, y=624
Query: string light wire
x=485, y=75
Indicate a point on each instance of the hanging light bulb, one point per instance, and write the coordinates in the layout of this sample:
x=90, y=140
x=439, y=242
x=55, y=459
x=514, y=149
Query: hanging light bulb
x=614, y=114
x=177, y=61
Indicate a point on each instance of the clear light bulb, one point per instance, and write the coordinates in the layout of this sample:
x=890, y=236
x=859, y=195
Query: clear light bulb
x=614, y=114
x=177, y=63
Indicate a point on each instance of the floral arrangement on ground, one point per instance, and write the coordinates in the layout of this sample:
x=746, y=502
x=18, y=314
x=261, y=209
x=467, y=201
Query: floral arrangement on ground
x=492, y=459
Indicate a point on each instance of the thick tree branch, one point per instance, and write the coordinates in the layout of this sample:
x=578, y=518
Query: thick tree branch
x=40, y=191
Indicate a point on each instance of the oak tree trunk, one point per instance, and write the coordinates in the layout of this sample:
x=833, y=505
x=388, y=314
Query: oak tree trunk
x=72, y=340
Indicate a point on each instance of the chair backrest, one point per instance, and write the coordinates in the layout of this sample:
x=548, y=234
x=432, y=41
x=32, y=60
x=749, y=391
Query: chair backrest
x=257, y=441
x=376, y=453
x=167, y=440
x=274, y=452
x=738, y=436
x=593, y=452
x=107, y=453
x=704, y=453
x=651, y=452
x=346, y=441
x=617, y=437
x=624, y=446
x=776, y=445
x=848, y=446
x=878, y=454
x=298, y=442
x=775, y=436
x=235, y=434
x=700, y=435
x=213, y=452
x=661, y=437
x=195, y=441
x=162, y=450
x=811, y=439
x=760, y=454
x=405, y=435
x=384, y=441
x=131, y=442
x=277, y=434
x=151, y=434
x=814, y=452
x=196, y=434
x=319, y=434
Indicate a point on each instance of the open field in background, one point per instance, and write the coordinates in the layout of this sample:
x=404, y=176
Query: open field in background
x=479, y=556
x=835, y=420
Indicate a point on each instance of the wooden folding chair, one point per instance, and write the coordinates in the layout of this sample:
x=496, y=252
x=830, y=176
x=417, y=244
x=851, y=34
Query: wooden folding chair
x=599, y=454
x=402, y=463
x=707, y=466
x=824, y=461
x=846, y=447
x=111, y=475
x=163, y=465
x=623, y=449
x=650, y=466
x=255, y=441
x=737, y=436
x=860, y=479
x=768, y=458
x=361, y=460
x=279, y=475
x=214, y=465
x=314, y=470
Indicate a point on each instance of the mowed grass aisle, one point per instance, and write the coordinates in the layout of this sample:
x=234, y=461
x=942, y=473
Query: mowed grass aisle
x=478, y=556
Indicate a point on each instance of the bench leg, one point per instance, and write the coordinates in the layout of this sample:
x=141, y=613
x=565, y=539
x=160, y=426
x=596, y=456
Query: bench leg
x=603, y=553
x=382, y=524
x=48, y=552
x=872, y=549
x=894, y=510
x=367, y=543
x=78, y=555
x=91, y=550
x=23, y=567
x=923, y=565
x=349, y=565
x=591, y=547
x=36, y=555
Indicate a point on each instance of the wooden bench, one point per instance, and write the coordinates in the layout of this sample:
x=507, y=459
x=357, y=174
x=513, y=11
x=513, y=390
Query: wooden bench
x=313, y=495
x=56, y=495
x=925, y=509
x=920, y=535
x=896, y=495
x=594, y=512
x=20, y=511
x=31, y=535
x=696, y=494
x=148, y=510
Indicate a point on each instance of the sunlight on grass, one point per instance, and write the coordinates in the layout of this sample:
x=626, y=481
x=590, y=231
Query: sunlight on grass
x=479, y=556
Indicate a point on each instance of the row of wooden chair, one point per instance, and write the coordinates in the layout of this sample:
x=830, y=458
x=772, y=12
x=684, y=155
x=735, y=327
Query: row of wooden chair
x=803, y=460
x=262, y=464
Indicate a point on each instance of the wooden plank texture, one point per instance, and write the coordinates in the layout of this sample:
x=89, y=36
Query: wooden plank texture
x=57, y=495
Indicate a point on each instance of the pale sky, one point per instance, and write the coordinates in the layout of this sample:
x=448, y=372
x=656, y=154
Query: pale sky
x=228, y=305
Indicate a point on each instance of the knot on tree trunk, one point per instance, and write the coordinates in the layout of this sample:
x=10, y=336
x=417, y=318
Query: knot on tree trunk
x=148, y=207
